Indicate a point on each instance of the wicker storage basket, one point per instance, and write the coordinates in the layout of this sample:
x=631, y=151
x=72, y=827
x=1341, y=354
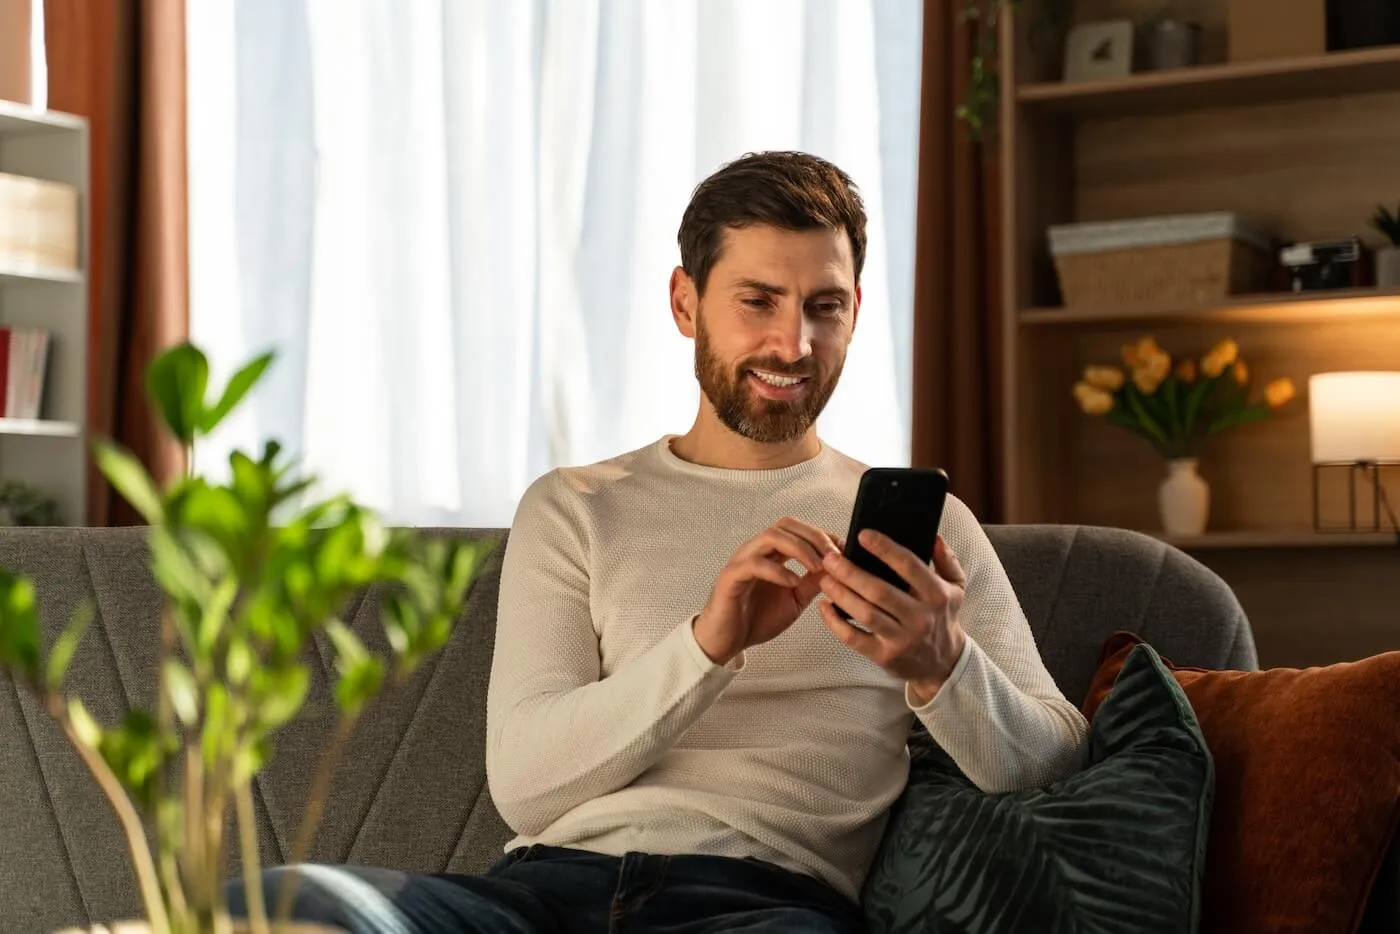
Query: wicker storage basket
x=1179, y=259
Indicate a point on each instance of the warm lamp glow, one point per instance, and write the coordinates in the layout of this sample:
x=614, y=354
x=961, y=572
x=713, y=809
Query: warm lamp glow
x=1354, y=417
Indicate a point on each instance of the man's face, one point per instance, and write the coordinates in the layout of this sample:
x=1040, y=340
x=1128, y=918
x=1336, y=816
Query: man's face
x=772, y=329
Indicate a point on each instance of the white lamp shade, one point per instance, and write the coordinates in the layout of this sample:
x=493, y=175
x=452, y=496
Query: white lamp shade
x=1354, y=416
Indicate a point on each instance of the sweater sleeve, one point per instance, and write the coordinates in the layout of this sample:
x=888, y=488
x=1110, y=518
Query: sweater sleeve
x=1000, y=715
x=558, y=734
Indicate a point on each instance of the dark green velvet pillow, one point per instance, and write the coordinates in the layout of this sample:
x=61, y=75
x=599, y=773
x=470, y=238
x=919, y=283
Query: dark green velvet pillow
x=1119, y=846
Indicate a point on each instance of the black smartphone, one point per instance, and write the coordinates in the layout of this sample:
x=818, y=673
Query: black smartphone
x=903, y=503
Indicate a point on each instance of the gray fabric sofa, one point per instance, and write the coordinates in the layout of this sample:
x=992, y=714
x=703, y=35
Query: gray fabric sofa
x=412, y=792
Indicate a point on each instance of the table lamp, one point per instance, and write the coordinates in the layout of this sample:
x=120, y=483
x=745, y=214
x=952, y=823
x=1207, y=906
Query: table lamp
x=1354, y=418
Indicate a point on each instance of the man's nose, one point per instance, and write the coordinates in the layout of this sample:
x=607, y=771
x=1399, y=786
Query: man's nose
x=791, y=337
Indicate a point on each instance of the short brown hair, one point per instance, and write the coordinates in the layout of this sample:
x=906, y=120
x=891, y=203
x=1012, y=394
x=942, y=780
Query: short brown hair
x=789, y=190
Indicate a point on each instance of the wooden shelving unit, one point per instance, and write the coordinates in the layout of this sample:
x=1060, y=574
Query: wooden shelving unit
x=49, y=452
x=1305, y=146
x=1225, y=85
x=1280, y=308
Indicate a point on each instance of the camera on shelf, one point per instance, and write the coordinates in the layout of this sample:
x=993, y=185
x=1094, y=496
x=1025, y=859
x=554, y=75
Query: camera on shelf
x=1326, y=264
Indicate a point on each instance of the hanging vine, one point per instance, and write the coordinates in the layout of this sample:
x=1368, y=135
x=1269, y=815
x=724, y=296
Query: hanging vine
x=979, y=108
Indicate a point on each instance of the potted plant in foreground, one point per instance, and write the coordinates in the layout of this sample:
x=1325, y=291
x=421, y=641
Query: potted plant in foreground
x=1175, y=407
x=248, y=576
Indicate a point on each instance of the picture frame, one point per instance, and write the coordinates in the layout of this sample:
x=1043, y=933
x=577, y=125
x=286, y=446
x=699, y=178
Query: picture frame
x=1096, y=51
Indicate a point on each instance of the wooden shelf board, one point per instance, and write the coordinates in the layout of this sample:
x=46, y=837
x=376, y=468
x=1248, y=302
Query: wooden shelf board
x=1205, y=86
x=43, y=427
x=20, y=119
x=14, y=272
x=1280, y=307
x=1303, y=538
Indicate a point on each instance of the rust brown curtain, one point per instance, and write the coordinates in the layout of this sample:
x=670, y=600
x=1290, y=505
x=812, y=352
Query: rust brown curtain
x=121, y=64
x=957, y=321
x=15, y=24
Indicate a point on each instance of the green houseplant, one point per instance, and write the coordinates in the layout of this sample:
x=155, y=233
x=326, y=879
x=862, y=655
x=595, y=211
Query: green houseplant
x=983, y=99
x=248, y=574
x=1387, y=222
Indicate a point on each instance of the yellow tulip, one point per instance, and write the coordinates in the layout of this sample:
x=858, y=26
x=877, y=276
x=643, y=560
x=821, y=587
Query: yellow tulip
x=1279, y=392
x=1134, y=355
x=1241, y=372
x=1151, y=370
x=1092, y=400
x=1220, y=356
x=1186, y=371
x=1104, y=377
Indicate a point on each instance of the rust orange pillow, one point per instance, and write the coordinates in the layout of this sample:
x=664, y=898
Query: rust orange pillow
x=1307, y=772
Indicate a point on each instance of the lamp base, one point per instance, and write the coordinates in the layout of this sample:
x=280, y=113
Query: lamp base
x=1369, y=474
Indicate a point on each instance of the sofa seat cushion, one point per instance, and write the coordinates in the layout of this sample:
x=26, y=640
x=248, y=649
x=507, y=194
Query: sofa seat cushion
x=1116, y=847
x=1307, y=787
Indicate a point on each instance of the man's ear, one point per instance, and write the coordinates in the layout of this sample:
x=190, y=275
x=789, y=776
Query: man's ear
x=685, y=301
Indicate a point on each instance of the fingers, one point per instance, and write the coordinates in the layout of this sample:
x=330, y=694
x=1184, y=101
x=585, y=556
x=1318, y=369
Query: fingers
x=909, y=566
x=871, y=589
x=783, y=542
x=864, y=643
x=947, y=564
x=818, y=539
x=758, y=567
x=809, y=587
x=864, y=611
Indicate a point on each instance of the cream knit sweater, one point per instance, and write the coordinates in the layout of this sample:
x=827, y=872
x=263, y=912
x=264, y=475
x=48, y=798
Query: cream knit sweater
x=608, y=729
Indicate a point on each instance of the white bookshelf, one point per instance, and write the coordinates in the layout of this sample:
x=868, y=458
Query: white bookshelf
x=50, y=452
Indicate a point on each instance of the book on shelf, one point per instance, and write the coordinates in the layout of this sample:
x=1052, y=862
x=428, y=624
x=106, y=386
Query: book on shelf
x=38, y=222
x=24, y=357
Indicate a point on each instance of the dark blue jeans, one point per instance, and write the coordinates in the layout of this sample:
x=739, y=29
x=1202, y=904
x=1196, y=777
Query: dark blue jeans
x=544, y=890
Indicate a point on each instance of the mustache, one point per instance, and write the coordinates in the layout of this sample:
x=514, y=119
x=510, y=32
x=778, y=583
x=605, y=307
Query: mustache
x=806, y=368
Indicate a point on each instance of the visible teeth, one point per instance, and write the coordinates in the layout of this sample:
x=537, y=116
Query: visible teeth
x=773, y=380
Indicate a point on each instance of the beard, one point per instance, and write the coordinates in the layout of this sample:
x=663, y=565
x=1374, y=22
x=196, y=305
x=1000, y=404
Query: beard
x=744, y=412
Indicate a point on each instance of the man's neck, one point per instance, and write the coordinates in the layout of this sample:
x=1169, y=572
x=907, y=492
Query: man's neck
x=710, y=444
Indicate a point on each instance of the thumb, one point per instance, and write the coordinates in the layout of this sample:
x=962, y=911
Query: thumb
x=947, y=565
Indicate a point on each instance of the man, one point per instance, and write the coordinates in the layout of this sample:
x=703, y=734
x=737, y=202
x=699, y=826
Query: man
x=682, y=731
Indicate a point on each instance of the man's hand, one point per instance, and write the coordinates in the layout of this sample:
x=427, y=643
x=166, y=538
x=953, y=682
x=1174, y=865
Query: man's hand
x=755, y=596
x=915, y=636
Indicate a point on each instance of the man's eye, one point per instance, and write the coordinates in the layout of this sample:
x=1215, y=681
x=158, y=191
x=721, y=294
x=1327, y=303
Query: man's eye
x=756, y=302
x=827, y=308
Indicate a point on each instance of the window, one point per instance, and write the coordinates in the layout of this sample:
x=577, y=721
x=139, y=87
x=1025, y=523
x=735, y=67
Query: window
x=455, y=220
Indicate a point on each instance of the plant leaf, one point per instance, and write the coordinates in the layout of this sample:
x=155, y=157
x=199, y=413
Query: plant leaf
x=1194, y=401
x=177, y=381
x=20, y=639
x=250, y=759
x=287, y=693
x=184, y=695
x=67, y=644
x=1148, y=424
x=238, y=386
x=129, y=477
x=358, y=684
x=1232, y=418
x=216, y=511
x=239, y=663
x=348, y=648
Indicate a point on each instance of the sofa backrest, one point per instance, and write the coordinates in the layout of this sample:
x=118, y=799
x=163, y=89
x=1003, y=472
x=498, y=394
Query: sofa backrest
x=411, y=789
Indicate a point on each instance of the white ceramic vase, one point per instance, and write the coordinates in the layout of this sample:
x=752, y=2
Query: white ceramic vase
x=1184, y=498
x=1388, y=267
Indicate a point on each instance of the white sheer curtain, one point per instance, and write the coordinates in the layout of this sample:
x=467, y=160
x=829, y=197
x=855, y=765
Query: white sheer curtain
x=454, y=220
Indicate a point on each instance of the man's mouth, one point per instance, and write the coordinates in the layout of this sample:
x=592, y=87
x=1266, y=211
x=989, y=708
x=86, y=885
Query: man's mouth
x=777, y=379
